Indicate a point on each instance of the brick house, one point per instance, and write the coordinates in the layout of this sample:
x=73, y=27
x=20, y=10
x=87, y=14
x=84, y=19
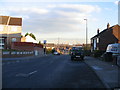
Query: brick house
x=107, y=36
x=10, y=31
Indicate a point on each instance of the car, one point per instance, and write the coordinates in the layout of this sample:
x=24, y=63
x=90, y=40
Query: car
x=56, y=53
x=77, y=53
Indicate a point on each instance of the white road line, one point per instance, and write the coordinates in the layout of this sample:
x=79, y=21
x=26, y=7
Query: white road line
x=32, y=72
x=25, y=75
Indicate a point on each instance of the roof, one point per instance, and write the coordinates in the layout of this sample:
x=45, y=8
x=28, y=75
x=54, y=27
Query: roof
x=30, y=39
x=103, y=32
x=4, y=20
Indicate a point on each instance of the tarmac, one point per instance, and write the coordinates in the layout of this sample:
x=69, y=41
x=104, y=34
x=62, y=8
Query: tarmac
x=107, y=72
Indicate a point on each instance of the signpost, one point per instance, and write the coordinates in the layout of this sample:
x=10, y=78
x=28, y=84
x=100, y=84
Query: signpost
x=45, y=46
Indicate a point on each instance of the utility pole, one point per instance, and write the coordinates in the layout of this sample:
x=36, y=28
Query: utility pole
x=86, y=33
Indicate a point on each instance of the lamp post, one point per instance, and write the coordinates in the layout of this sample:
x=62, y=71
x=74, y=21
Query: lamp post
x=86, y=33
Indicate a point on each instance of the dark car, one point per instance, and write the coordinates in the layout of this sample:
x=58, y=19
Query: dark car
x=77, y=53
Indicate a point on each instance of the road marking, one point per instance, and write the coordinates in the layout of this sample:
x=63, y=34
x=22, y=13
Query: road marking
x=32, y=72
x=21, y=74
x=25, y=75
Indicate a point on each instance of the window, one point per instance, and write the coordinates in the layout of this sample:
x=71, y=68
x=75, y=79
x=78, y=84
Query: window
x=1, y=46
x=13, y=39
x=1, y=41
x=97, y=40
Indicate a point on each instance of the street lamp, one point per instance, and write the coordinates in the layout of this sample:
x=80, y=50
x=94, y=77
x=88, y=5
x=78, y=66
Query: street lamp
x=86, y=32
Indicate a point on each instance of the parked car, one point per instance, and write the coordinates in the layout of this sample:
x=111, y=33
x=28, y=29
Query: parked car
x=112, y=52
x=56, y=53
x=77, y=53
x=113, y=48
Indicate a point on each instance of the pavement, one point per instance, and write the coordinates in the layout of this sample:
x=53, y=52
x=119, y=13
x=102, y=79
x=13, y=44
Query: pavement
x=23, y=58
x=106, y=71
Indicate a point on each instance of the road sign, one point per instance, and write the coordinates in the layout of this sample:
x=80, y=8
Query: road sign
x=45, y=41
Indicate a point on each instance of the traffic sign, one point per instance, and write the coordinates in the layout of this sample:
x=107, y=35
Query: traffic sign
x=45, y=41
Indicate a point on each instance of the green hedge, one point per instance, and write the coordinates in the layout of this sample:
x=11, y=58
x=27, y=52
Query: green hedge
x=87, y=52
x=97, y=53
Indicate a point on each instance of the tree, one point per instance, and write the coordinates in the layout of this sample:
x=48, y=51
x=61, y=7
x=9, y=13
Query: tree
x=26, y=34
x=31, y=34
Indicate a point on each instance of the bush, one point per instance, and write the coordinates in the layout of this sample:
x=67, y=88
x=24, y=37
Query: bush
x=97, y=53
x=48, y=51
x=87, y=52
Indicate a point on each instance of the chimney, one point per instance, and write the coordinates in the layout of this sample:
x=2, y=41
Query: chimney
x=98, y=31
x=108, y=26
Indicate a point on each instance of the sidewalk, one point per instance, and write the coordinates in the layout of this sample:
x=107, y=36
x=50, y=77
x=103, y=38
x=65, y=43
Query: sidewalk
x=24, y=58
x=107, y=72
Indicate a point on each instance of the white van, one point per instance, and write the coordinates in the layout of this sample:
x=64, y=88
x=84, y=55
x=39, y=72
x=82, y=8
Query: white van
x=114, y=48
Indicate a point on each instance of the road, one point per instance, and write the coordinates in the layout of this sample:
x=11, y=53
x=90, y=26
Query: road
x=49, y=72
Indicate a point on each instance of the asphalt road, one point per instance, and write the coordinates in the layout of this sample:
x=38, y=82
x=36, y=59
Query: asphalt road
x=49, y=72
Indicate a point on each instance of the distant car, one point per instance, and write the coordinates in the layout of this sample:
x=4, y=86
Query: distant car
x=56, y=53
x=77, y=53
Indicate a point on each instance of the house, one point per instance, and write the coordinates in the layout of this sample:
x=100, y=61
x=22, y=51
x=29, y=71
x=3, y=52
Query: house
x=28, y=39
x=10, y=31
x=107, y=36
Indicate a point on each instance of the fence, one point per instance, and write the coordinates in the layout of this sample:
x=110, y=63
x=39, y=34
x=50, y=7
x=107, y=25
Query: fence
x=8, y=54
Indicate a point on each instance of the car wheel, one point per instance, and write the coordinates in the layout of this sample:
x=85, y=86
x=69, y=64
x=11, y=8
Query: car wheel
x=72, y=58
x=82, y=58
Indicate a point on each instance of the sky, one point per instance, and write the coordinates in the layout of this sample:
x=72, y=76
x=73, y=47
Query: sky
x=62, y=20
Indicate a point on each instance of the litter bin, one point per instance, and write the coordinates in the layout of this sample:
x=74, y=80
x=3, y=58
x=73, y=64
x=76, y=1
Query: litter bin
x=108, y=56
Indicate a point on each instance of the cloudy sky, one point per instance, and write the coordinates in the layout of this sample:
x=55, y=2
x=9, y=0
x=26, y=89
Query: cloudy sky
x=63, y=19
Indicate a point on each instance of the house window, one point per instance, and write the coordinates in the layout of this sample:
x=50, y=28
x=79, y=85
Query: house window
x=97, y=40
x=14, y=39
x=94, y=44
x=1, y=46
x=1, y=43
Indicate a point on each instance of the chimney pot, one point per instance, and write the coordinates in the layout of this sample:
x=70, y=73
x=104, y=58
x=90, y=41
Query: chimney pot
x=98, y=31
x=108, y=26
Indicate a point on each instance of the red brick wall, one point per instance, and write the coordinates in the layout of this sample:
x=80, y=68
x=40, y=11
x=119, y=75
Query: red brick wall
x=25, y=46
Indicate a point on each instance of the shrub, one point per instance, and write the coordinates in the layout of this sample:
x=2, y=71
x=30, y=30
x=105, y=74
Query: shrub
x=87, y=52
x=48, y=51
x=97, y=53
